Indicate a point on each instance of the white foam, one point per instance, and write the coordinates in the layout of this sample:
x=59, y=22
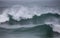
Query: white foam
x=23, y=12
x=55, y=24
x=3, y=18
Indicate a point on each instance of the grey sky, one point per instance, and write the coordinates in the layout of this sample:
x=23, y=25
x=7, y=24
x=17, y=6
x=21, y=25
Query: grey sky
x=25, y=0
x=7, y=3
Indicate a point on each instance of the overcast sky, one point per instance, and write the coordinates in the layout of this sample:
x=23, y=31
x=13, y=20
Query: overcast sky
x=40, y=2
x=25, y=0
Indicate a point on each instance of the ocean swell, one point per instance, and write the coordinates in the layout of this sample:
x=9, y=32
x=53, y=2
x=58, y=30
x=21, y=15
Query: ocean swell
x=24, y=15
x=23, y=12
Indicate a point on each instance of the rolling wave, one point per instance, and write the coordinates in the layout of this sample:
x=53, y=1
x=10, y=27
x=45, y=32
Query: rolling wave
x=23, y=12
x=32, y=15
x=49, y=18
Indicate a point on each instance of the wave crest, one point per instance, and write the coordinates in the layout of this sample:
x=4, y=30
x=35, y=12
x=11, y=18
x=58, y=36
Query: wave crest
x=23, y=12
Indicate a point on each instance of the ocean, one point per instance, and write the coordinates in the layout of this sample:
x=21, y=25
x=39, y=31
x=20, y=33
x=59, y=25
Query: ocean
x=29, y=19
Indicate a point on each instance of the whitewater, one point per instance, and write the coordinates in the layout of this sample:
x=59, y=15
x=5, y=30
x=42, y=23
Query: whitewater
x=19, y=12
x=30, y=21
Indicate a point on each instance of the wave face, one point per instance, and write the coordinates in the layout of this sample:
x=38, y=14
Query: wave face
x=48, y=18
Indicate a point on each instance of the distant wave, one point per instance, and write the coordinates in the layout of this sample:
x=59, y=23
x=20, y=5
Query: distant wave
x=29, y=27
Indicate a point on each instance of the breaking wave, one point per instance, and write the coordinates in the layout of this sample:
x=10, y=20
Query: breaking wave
x=23, y=12
x=32, y=15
